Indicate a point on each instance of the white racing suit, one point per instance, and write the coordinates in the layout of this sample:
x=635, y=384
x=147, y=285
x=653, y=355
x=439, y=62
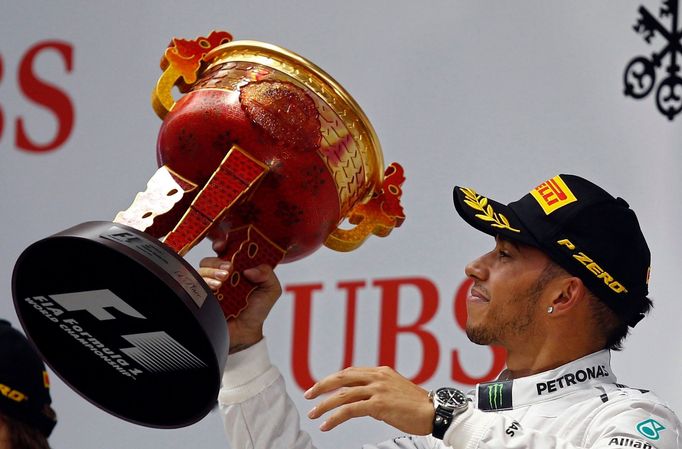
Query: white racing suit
x=578, y=405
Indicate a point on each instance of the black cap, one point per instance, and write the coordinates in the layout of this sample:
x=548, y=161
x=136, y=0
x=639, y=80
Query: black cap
x=24, y=385
x=582, y=228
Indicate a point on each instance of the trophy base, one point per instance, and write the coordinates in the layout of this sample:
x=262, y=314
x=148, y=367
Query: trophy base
x=124, y=321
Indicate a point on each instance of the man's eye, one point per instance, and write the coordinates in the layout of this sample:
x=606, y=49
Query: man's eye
x=503, y=253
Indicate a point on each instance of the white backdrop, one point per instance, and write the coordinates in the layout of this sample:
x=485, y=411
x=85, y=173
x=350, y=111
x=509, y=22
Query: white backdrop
x=496, y=95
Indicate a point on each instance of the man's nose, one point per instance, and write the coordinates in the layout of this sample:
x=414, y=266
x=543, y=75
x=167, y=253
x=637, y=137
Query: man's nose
x=477, y=269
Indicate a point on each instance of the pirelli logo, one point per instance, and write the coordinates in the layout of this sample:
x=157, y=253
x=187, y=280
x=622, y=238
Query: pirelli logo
x=553, y=194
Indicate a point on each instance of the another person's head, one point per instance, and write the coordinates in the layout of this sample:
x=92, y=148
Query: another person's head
x=567, y=250
x=26, y=416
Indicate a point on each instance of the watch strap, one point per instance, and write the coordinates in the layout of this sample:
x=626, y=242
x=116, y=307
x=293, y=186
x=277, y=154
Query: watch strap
x=441, y=422
x=445, y=411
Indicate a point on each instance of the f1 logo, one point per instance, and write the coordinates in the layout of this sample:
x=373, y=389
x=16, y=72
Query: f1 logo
x=95, y=301
x=156, y=351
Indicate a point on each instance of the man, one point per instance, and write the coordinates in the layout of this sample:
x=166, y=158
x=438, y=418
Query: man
x=26, y=417
x=567, y=277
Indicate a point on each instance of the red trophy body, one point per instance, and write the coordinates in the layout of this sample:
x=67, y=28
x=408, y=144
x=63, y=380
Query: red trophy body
x=264, y=147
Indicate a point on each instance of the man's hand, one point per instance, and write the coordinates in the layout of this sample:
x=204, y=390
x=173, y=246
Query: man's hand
x=247, y=328
x=380, y=393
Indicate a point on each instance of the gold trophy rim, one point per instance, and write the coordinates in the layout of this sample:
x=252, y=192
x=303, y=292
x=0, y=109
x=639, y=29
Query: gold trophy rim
x=300, y=69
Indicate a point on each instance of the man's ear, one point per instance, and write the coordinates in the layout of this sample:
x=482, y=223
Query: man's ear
x=568, y=293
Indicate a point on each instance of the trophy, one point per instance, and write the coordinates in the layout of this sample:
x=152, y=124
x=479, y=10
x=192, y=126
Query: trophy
x=262, y=146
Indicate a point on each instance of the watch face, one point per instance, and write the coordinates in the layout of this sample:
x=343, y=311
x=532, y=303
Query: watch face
x=450, y=398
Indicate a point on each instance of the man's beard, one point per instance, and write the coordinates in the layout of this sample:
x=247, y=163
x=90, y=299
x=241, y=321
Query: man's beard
x=494, y=330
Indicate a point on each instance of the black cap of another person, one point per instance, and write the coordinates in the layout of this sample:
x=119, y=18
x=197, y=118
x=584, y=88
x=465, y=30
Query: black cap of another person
x=24, y=384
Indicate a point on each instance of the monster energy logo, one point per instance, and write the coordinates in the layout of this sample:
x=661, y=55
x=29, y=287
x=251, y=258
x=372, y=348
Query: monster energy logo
x=495, y=395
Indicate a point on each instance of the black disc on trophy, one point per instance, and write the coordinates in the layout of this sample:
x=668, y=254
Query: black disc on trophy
x=124, y=321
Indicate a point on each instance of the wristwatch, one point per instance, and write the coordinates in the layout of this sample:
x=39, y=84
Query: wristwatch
x=448, y=402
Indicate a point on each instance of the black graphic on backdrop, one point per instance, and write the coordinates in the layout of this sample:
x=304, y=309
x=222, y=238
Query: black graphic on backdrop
x=640, y=74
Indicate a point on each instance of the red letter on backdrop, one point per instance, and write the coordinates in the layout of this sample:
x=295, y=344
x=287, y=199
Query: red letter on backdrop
x=46, y=95
x=390, y=329
x=303, y=298
x=499, y=354
x=300, y=350
x=2, y=118
x=351, y=301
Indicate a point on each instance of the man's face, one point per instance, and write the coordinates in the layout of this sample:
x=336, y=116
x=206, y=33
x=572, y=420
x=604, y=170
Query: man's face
x=503, y=302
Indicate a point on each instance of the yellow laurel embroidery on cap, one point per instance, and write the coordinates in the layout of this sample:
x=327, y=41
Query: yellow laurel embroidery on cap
x=480, y=203
x=553, y=194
